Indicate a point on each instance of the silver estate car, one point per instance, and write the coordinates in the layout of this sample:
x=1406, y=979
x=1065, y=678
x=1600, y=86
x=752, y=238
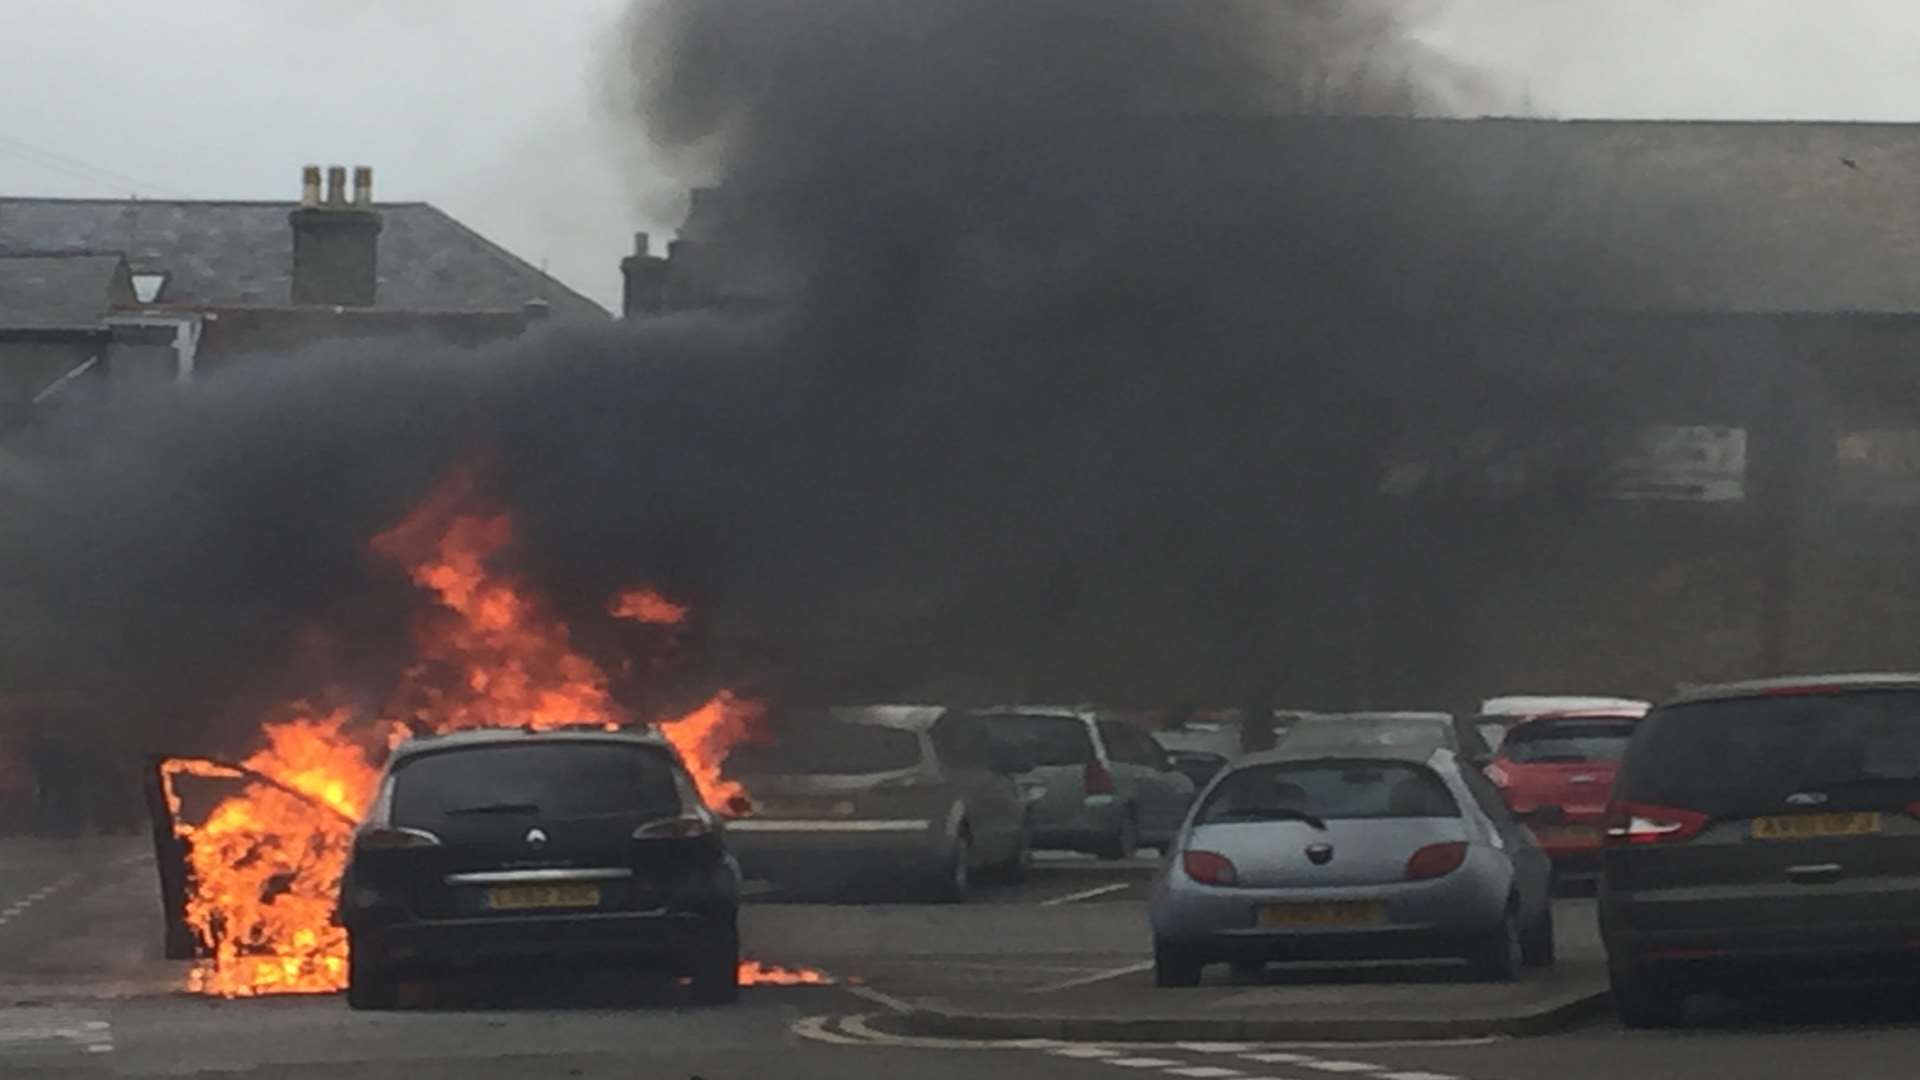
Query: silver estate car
x=1097, y=784
x=1397, y=851
x=893, y=795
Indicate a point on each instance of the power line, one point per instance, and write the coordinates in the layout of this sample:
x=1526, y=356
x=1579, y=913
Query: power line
x=73, y=166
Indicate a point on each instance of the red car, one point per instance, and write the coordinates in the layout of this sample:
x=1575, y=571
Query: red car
x=1556, y=773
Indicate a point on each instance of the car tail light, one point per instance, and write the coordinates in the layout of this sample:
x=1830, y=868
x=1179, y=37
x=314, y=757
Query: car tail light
x=1209, y=868
x=1640, y=823
x=1099, y=779
x=391, y=838
x=674, y=828
x=1436, y=860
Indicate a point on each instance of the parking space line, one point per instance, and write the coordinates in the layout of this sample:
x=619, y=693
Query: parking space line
x=1205, y=1072
x=1089, y=980
x=1141, y=1062
x=1341, y=1066
x=1416, y=1076
x=1086, y=894
x=885, y=1001
x=1215, y=1047
x=1084, y=1052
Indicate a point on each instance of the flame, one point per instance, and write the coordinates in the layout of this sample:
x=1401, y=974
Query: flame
x=264, y=866
x=755, y=973
x=647, y=606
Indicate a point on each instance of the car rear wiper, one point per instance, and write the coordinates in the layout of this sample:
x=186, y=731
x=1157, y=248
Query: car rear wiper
x=496, y=808
x=1278, y=813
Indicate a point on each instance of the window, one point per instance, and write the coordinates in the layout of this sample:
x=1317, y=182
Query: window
x=1043, y=739
x=962, y=743
x=147, y=287
x=1330, y=790
x=1568, y=741
x=815, y=744
x=555, y=780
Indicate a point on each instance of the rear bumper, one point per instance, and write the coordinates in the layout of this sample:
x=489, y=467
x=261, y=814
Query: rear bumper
x=1086, y=824
x=1699, y=952
x=663, y=937
x=1427, y=918
x=789, y=849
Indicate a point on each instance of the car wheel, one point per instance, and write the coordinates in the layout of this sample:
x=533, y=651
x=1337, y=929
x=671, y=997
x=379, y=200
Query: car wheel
x=1125, y=840
x=954, y=880
x=715, y=974
x=1643, y=1001
x=371, y=983
x=1176, y=965
x=1496, y=957
x=1537, y=948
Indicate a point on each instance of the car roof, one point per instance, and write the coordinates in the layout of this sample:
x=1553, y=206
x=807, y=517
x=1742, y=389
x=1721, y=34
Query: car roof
x=1419, y=752
x=1787, y=685
x=1388, y=715
x=1324, y=736
x=1515, y=705
x=1069, y=712
x=906, y=717
x=585, y=733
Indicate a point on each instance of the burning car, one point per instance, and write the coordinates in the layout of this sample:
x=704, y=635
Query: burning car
x=500, y=845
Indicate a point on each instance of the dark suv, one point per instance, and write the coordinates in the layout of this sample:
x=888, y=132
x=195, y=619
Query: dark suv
x=510, y=845
x=1762, y=830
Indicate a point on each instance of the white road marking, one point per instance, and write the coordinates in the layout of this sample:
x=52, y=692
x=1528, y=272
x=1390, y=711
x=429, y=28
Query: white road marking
x=1340, y=1066
x=1215, y=1047
x=885, y=1001
x=1278, y=1058
x=1416, y=1076
x=1142, y=1062
x=1097, y=977
x=1205, y=1072
x=1086, y=894
x=1084, y=1052
x=815, y=1028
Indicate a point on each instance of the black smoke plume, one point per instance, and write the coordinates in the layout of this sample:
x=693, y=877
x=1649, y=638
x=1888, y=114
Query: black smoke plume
x=1081, y=334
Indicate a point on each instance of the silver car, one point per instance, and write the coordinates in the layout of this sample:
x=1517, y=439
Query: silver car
x=1375, y=851
x=894, y=795
x=1098, y=785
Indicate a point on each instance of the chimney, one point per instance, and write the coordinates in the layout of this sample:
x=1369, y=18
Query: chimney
x=335, y=242
x=645, y=279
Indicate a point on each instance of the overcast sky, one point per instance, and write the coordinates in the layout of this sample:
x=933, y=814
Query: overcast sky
x=496, y=110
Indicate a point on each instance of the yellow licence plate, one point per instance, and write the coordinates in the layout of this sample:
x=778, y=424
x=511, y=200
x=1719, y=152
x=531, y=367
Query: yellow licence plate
x=520, y=897
x=1352, y=913
x=1813, y=826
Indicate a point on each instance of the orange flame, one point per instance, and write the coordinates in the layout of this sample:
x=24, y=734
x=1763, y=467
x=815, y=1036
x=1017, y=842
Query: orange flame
x=265, y=864
x=755, y=973
x=647, y=606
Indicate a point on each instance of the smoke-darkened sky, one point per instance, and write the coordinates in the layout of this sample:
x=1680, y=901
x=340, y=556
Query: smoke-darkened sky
x=495, y=109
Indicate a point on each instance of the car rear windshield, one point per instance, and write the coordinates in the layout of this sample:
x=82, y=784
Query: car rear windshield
x=1568, y=741
x=1330, y=791
x=1331, y=733
x=1043, y=740
x=816, y=744
x=578, y=779
x=1845, y=751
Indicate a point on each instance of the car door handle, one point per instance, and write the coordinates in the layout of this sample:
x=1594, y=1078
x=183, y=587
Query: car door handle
x=1815, y=873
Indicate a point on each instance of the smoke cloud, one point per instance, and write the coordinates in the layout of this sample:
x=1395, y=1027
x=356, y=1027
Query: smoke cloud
x=1084, y=332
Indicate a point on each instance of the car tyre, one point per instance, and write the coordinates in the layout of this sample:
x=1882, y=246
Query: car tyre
x=1496, y=956
x=715, y=978
x=1176, y=965
x=1644, y=1002
x=1537, y=947
x=1125, y=839
x=371, y=983
x=954, y=880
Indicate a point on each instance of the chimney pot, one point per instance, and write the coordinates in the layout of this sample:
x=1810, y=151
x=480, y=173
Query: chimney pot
x=363, y=187
x=310, y=186
x=336, y=185
x=642, y=243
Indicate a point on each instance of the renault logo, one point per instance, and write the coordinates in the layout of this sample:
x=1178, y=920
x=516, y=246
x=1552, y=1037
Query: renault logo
x=536, y=839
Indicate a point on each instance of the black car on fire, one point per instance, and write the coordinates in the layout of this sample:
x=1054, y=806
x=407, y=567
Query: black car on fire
x=513, y=846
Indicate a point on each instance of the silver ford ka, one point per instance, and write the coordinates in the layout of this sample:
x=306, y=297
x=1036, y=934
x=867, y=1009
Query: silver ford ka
x=1361, y=852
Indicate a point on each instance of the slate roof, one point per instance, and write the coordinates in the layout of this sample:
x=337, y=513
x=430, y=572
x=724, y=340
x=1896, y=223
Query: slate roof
x=56, y=291
x=241, y=253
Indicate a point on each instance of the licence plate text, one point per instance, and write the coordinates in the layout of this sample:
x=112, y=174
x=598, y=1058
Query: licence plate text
x=521, y=897
x=1349, y=913
x=1813, y=826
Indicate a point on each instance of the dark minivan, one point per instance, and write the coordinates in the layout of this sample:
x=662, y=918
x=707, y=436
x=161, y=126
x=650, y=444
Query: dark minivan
x=1760, y=831
x=517, y=846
